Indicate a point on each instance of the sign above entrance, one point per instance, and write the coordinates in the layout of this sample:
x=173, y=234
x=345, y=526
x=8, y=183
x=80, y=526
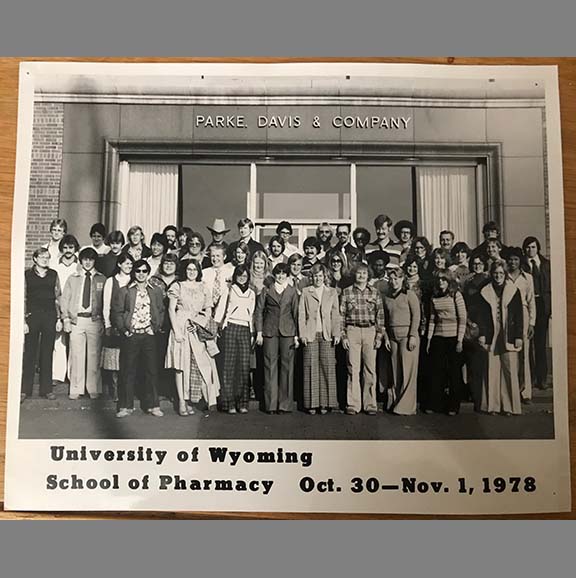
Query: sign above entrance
x=296, y=121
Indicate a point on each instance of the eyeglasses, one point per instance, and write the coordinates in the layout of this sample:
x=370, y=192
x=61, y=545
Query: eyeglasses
x=194, y=244
x=141, y=271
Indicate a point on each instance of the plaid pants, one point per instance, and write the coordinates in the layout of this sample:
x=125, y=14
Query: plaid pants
x=320, y=374
x=236, y=375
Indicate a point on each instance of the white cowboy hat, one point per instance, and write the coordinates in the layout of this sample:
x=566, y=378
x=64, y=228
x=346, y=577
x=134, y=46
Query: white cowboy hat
x=219, y=226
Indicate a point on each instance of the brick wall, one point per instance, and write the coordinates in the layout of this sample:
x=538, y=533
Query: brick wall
x=45, y=173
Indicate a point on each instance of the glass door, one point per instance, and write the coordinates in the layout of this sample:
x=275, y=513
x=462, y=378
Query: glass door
x=303, y=194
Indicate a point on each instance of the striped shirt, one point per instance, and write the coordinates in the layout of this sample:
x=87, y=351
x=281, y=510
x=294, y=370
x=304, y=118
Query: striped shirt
x=447, y=317
x=394, y=250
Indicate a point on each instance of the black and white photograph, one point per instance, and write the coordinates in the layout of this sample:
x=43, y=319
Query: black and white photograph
x=348, y=263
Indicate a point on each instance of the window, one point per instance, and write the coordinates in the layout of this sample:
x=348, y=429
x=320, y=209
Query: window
x=304, y=195
x=446, y=199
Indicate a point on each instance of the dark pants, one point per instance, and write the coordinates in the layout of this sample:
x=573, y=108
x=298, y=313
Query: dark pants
x=166, y=384
x=475, y=360
x=278, y=382
x=423, y=374
x=538, y=356
x=341, y=375
x=257, y=362
x=139, y=352
x=41, y=335
x=445, y=377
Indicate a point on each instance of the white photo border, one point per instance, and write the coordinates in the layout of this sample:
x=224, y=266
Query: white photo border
x=27, y=461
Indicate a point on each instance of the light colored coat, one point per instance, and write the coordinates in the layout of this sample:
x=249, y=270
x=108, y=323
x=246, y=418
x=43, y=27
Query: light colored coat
x=525, y=284
x=329, y=310
x=70, y=300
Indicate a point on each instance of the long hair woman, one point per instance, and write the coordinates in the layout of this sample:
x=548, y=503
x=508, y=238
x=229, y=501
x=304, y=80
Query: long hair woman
x=235, y=315
x=189, y=307
x=260, y=277
x=339, y=276
x=421, y=250
x=446, y=328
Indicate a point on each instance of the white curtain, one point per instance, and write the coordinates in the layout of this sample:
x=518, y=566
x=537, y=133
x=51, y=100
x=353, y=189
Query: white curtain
x=148, y=196
x=446, y=199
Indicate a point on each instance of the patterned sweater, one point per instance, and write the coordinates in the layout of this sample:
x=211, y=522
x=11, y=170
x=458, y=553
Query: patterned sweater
x=447, y=317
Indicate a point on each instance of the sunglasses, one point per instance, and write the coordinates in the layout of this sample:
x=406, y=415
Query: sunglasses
x=141, y=271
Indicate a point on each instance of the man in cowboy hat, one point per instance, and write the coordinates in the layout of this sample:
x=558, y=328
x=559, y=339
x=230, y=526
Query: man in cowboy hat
x=218, y=231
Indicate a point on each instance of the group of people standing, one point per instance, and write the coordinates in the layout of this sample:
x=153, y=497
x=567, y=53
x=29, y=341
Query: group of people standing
x=346, y=320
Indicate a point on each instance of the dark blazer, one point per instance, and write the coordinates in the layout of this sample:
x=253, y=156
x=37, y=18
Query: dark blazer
x=543, y=287
x=277, y=315
x=146, y=252
x=253, y=247
x=122, y=308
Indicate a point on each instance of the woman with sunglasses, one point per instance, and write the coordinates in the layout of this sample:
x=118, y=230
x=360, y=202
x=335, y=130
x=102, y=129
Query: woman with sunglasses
x=338, y=275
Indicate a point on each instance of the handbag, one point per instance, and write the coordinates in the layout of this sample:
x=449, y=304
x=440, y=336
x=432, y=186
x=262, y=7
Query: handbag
x=472, y=331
